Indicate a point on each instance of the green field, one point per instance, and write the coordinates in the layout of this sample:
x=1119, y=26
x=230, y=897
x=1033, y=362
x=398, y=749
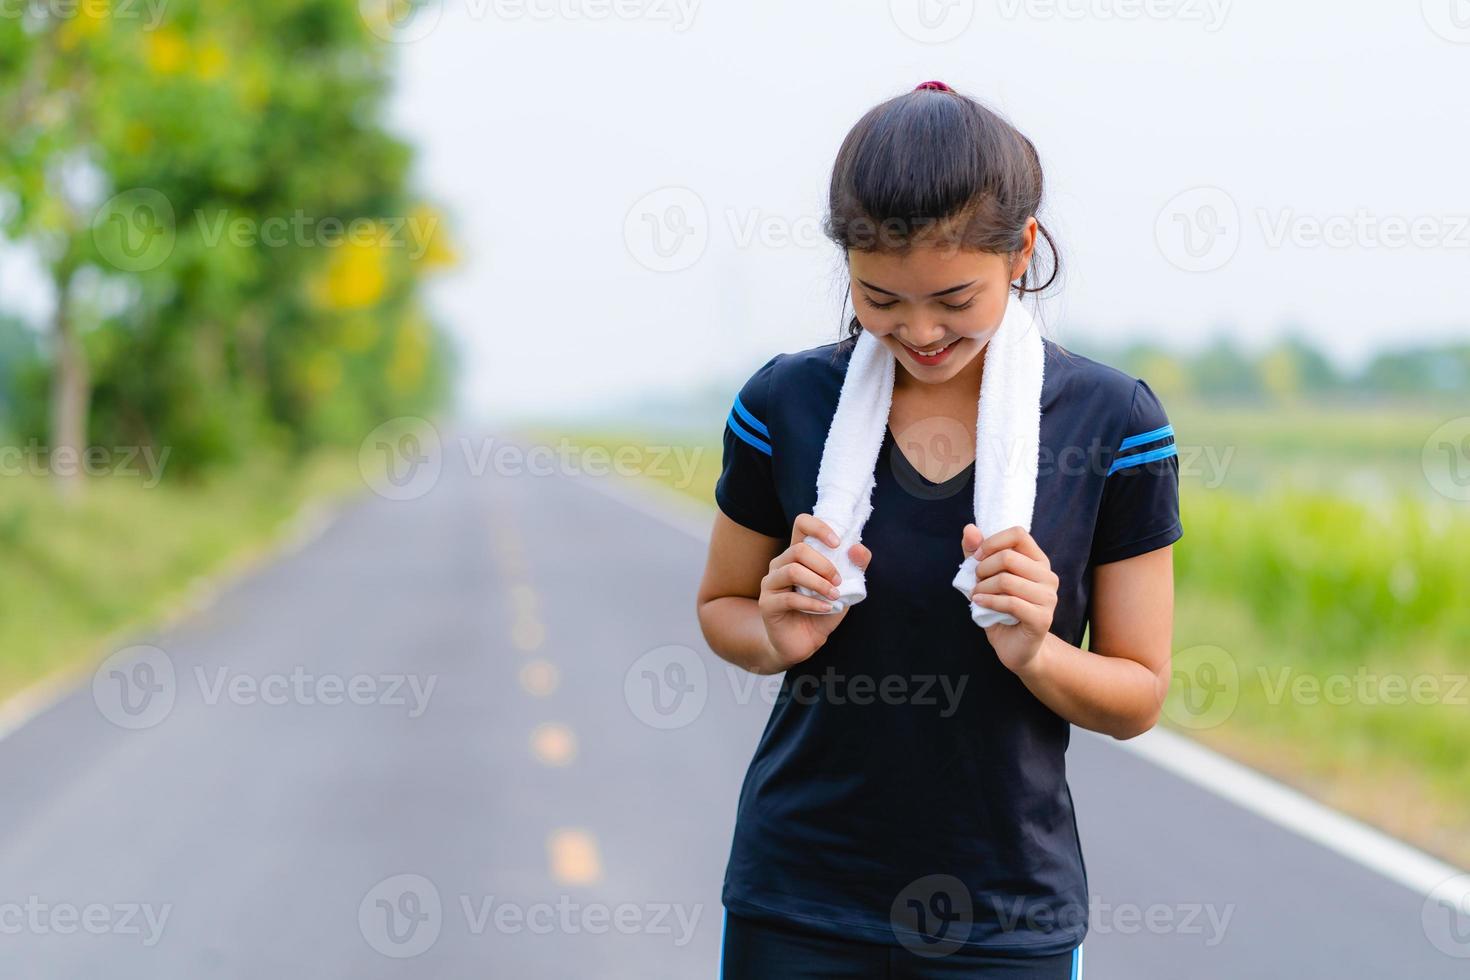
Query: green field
x=1323, y=597
x=77, y=577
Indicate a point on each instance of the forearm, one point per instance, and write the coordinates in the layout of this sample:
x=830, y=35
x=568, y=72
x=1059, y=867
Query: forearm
x=735, y=631
x=1113, y=695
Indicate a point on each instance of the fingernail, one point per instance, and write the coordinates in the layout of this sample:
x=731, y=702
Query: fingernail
x=833, y=593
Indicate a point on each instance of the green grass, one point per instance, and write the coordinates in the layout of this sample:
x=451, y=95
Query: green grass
x=1318, y=564
x=73, y=576
x=1358, y=451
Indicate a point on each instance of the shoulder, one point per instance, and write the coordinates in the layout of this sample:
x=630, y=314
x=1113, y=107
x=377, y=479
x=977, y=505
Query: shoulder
x=1074, y=373
x=1117, y=405
x=794, y=382
x=825, y=364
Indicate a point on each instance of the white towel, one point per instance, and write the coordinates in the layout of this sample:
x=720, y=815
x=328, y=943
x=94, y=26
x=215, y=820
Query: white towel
x=1007, y=447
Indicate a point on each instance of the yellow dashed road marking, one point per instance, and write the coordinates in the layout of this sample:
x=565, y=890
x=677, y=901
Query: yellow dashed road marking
x=528, y=634
x=525, y=599
x=553, y=744
x=540, y=678
x=574, y=858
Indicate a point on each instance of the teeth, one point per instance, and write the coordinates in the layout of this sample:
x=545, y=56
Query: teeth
x=933, y=353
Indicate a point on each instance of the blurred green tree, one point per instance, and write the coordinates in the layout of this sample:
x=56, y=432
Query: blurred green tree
x=233, y=244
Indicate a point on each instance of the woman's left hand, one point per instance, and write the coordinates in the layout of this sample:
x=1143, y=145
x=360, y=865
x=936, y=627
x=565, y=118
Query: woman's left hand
x=1013, y=575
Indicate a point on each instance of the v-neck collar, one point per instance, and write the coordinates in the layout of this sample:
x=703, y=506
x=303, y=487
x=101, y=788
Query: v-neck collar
x=898, y=459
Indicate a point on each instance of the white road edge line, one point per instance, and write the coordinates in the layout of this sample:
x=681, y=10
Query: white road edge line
x=1246, y=788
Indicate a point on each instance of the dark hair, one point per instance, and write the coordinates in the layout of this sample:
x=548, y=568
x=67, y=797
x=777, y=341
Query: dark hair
x=934, y=166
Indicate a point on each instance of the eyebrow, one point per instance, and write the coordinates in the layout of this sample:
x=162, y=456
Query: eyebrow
x=942, y=292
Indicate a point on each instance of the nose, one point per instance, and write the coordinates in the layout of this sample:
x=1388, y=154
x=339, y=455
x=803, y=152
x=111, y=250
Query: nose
x=922, y=332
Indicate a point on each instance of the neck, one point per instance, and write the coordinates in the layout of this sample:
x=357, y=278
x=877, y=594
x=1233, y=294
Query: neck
x=965, y=385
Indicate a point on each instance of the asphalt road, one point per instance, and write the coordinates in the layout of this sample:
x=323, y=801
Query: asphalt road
x=477, y=734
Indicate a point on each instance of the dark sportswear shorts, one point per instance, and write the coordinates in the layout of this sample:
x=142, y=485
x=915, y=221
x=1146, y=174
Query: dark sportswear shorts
x=755, y=950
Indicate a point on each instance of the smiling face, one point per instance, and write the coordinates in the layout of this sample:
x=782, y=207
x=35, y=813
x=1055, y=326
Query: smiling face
x=935, y=307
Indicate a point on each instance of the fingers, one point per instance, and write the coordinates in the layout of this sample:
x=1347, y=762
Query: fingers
x=780, y=601
x=970, y=540
x=860, y=556
x=1037, y=616
x=806, y=524
x=1017, y=538
x=1010, y=584
x=1017, y=564
x=793, y=574
x=805, y=554
x=1024, y=611
x=1013, y=575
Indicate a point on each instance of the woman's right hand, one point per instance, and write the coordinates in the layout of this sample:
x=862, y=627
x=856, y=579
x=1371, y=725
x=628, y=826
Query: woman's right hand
x=795, y=633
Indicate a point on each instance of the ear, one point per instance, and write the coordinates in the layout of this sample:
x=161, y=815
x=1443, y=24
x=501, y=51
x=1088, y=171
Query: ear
x=1022, y=259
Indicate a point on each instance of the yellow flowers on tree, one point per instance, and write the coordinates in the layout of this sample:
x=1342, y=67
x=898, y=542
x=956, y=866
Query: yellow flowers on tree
x=226, y=222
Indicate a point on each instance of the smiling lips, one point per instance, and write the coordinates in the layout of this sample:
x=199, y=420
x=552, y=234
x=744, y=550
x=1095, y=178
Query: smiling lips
x=932, y=357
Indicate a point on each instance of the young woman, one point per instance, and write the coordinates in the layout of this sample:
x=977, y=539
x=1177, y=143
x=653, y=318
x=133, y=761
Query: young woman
x=907, y=811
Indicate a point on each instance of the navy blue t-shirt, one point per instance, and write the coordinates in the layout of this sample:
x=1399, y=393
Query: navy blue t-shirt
x=908, y=786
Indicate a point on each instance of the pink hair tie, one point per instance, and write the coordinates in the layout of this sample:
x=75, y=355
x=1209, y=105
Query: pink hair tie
x=933, y=87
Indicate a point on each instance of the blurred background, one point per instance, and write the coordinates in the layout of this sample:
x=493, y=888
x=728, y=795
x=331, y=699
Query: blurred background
x=363, y=369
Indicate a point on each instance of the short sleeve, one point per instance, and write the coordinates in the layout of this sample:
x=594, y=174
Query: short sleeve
x=746, y=489
x=1140, y=500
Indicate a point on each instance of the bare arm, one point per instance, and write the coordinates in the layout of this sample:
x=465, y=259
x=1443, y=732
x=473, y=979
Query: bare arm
x=1118, y=687
x=728, y=612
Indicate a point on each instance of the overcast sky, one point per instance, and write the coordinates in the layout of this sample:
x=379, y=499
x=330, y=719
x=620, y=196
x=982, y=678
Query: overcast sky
x=636, y=186
x=1330, y=141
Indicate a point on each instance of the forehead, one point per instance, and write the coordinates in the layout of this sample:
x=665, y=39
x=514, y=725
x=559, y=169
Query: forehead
x=925, y=269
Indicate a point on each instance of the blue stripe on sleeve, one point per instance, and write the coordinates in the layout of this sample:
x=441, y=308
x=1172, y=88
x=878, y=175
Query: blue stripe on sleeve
x=1163, y=452
x=746, y=437
x=750, y=420
x=1143, y=437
